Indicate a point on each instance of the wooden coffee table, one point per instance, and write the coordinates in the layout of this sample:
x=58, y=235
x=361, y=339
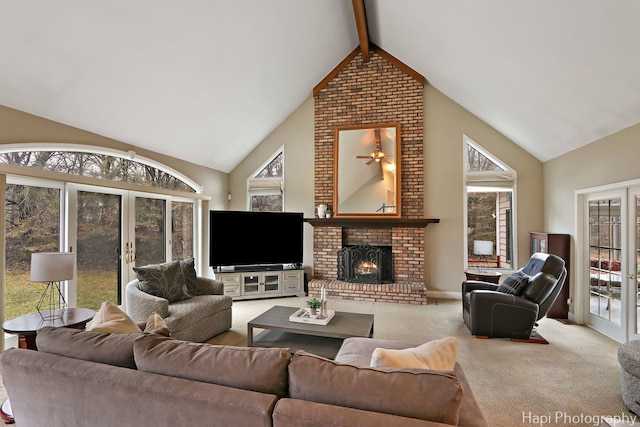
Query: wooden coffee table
x=322, y=340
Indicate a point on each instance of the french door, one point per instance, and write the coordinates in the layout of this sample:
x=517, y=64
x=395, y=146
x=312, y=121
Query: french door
x=113, y=231
x=610, y=270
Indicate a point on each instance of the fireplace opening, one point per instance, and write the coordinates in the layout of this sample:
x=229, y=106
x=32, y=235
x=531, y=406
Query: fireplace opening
x=365, y=264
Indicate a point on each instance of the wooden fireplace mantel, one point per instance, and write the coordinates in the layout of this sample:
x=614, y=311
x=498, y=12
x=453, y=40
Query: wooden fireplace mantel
x=372, y=222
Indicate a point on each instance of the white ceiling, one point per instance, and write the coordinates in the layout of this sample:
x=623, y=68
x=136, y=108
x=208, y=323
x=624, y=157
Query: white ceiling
x=208, y=80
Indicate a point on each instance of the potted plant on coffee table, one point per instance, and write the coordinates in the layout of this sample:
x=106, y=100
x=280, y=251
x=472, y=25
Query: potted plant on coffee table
x=314, y=304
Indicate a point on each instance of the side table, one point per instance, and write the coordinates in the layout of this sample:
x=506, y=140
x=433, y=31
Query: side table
x=27, y=326
x=484, y=276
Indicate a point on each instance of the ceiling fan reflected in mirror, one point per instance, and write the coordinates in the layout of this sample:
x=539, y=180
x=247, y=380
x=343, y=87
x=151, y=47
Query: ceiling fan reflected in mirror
x=377, y=155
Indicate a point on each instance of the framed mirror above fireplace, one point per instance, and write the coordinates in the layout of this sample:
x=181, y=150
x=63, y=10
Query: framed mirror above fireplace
x=366, y=181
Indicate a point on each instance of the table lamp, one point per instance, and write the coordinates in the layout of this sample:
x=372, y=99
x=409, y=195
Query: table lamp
x=52, y=268
x=484, y=249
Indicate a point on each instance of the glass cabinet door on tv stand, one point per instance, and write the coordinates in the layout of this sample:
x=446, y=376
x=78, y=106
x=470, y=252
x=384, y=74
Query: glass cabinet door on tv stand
x=260, y=283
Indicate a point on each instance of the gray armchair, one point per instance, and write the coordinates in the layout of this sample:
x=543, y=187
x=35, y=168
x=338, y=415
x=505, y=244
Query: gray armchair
x=194, y=319
x=512, y=308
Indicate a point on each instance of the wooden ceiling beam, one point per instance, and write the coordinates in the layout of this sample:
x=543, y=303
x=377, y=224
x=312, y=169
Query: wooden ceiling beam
x=361, y=25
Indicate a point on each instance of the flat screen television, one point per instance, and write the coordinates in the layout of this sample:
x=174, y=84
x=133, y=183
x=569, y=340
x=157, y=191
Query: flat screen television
x=260, y=239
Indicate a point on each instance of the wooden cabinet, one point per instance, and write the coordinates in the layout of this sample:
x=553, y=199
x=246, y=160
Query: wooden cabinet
x=560, y=245
x=262, y=284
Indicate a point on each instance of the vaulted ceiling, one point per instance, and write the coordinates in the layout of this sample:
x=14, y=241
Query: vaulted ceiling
x=208, y=80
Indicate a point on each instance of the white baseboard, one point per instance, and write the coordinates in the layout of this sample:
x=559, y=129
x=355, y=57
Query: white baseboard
x=444, y=295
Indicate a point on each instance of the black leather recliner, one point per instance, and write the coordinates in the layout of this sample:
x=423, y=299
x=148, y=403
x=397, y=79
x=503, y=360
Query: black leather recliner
x=512, y=308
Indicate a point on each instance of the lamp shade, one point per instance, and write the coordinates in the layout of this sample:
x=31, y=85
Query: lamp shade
x=482, y=247
x=52, y=266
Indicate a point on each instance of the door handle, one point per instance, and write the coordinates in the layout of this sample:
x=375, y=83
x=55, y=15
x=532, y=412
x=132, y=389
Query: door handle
x=631, y=276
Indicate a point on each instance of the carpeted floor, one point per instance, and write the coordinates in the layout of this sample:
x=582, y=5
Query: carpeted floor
x=572, y=381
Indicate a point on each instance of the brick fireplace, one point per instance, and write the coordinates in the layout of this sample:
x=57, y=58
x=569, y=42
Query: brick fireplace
x=381, y=90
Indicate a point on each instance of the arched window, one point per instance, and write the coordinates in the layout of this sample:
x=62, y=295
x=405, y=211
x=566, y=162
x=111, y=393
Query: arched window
x=111, y=225
x=102, y=163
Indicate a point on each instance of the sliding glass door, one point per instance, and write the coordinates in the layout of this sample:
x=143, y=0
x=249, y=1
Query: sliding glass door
x=99, y=238
x=32, y=224
x=150, y=230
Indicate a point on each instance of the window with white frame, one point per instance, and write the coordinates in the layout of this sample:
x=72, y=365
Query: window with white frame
x=56, y=212
x=265, y=188
x=489, y=203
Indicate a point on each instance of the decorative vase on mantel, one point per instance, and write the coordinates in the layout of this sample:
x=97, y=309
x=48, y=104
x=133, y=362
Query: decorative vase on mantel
x=322, y=211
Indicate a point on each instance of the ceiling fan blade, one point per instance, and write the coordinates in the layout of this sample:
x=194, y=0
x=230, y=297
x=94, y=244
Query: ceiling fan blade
x=363, y=157
x=381, y=172
x=371, y=161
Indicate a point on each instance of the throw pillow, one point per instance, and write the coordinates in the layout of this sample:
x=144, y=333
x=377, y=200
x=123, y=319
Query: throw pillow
x=163, y=280
x=514, y=284
x=156, y=325
x=189, y=272
x=111, y=319
x=438, y=355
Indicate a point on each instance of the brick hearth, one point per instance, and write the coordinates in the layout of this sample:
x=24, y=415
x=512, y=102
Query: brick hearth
x=401, y=293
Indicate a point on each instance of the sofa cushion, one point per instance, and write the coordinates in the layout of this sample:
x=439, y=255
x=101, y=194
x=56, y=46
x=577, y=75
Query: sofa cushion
x=101, y=347
x=439, y=355
x=185, y=313
x=189, y=273
x=302, y=413
x=540, y=287
x=250, y=368
x=358, y=350
x=164, y=280
x=423, y=394
x=110, y=318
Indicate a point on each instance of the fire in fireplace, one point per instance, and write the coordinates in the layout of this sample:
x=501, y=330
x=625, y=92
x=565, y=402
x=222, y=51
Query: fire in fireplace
x=365, y=264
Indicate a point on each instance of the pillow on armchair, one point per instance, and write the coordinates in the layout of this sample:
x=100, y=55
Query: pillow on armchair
x=189, y=272
x=514, y=284
x=164, y=280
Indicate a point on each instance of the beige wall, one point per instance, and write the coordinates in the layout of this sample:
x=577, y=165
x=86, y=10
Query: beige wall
x=296, y=135
x=20, y=127
x=445, y=124
x=611, y=160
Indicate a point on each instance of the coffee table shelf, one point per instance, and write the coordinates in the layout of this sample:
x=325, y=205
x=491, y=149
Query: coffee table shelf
x=323, y=340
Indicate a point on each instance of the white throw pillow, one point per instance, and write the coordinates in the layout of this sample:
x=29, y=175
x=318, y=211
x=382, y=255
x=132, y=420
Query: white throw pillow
x=439, y=355
x=111, y=319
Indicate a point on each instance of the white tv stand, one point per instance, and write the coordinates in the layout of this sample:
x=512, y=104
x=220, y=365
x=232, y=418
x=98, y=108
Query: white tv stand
x=262, y=283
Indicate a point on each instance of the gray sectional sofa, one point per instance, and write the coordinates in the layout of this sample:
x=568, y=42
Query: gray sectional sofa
x=81, y=378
